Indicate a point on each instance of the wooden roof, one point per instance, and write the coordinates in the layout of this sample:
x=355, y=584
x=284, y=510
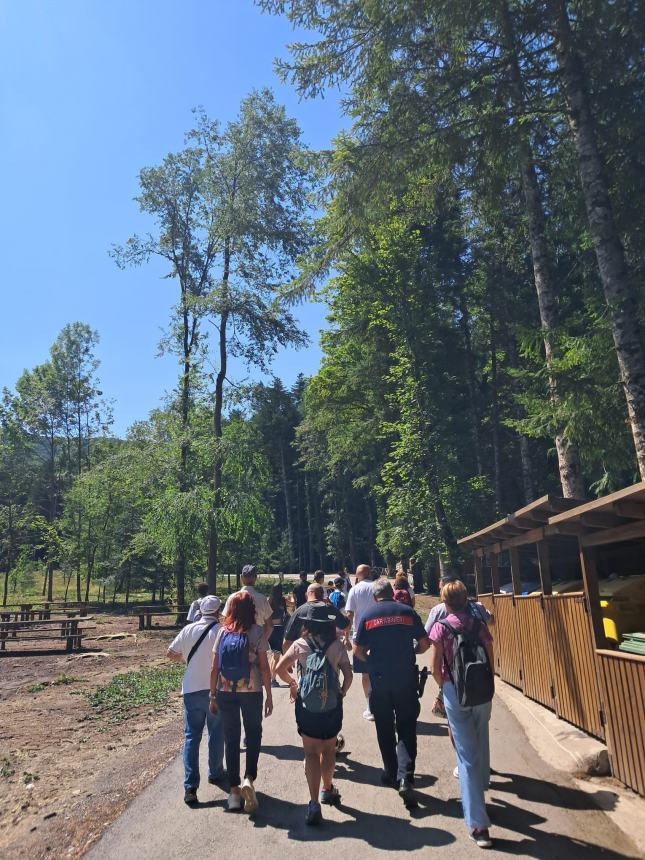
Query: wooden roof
x=610, y=519
x=527, y=519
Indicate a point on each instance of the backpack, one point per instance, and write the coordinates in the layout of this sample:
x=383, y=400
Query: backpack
x=233, y=654
x=471, y=672
x=403, y=596
x=338, y=599
x=319, y=682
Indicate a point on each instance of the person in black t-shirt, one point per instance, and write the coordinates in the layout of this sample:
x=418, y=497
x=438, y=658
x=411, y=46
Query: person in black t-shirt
x=315, y=594
x=300, y=590
x=386, y=639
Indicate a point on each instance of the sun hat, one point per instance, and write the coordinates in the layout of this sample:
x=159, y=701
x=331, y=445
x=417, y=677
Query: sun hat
x=210, y=605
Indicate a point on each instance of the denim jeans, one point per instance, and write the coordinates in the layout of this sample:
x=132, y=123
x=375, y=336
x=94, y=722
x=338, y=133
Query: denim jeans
x=196, y=713
x=469, y=727
x=396, y=714
x=249, y=705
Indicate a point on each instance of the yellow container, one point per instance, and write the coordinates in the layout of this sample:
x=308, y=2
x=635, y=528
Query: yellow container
x=622, y=601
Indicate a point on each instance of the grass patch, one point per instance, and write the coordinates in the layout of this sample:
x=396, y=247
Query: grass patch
x=116, y=701
x=6, y=769
x=36, y=688
x=63, y=679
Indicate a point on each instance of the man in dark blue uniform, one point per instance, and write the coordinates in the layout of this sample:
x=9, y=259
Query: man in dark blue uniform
x=386, y=638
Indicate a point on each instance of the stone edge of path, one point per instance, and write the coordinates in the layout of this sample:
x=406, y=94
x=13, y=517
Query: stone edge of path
x=583, y=758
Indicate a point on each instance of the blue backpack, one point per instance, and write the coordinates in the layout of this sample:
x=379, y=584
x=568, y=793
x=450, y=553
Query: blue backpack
x=233, y=656
x=319, y=682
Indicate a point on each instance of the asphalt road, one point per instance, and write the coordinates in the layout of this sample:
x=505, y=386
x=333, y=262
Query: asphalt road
x=535, y=811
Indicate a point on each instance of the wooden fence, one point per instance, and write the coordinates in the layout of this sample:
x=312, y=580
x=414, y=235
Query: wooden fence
x=623, y=685
x=544, y=646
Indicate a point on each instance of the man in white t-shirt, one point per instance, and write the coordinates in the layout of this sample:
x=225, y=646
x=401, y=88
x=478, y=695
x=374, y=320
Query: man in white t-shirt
x=359, y=600
x=263, y=610
x=194, y=646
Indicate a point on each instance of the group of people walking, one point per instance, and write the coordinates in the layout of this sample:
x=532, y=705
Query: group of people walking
x=234, y=664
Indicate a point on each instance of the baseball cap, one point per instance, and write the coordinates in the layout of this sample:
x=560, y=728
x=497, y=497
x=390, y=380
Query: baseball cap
x=210, y=605
x=339, y=580
x=249, y=570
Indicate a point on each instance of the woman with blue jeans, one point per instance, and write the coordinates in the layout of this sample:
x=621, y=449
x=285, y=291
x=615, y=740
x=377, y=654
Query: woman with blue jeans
x=468, y=725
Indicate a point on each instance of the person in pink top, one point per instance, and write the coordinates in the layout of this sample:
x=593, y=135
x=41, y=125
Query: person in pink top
x=469, y=725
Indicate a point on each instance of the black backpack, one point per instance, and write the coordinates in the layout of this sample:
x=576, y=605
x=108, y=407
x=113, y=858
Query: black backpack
x=471, y=672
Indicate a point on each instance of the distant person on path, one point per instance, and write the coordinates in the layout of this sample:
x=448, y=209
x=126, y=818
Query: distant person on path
x=359, y=600
x=194, y=613
x=468, y=722
x=416, y=569
x=278, y=619
x=300, y=590
x=194, y=646
x=347, y=582
x=319, y=701
x=263, y=611
x=403, y=592
x=239, y=671
x=315, y=594
x=386, y=640
x=337, y=596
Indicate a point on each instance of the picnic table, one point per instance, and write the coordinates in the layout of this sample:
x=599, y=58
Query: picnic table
x=72, y=630
x=147, y=613
x=30, y=611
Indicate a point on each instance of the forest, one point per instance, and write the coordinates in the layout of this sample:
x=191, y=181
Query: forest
x=478, y=237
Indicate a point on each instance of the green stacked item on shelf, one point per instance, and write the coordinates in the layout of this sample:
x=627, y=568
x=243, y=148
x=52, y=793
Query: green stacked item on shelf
x=633, y=643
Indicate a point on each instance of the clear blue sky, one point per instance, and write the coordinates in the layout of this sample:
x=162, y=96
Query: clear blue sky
x=90, y=92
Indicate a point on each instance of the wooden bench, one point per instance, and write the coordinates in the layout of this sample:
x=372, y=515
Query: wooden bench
x=147, y=613
x=43, y=610
x=71, y=630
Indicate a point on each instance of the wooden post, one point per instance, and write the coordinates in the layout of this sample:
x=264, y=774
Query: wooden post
x=544, y=565
x=592, y=593
x=478, y=574
x=494, y=572
x=514, y=557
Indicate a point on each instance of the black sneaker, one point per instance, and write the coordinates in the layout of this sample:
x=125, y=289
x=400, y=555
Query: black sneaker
x=314, y=813
x=190, y=796
x=481, y=838
x=388, y=780
x=406, y=793
x=330, y=796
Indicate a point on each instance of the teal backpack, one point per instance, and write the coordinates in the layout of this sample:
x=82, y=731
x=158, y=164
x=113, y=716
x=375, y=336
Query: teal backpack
x=319, y=691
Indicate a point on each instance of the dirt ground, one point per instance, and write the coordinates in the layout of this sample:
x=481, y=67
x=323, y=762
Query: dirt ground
x=65, y=774
x=74, y=773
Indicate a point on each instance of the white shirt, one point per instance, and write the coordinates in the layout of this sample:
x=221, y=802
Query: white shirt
x=359, y=600
x=263, y=609
x=193, y=611
x=198, y=672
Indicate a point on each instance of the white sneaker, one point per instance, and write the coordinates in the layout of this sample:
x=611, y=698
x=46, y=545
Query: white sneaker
x=234, y=802
x=455, y=773
x=250, y=798
x=368, y=715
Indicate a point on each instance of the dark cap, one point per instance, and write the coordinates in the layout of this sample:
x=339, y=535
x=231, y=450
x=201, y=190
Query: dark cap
x=339, y=581
x=319, y=613
x=249, y=570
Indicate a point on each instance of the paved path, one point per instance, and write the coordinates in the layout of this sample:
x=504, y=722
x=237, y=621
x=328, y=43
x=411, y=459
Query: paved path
x=536, y=812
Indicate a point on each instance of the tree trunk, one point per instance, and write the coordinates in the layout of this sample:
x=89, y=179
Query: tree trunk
x=5, y=591
x=287, y=503
x=50, y=581
x=525, y=454
x=127, y=583
x=568, y=460
x=497, y=482
x=310, y=524
x=471, y=383
x=213, y=526
x=623, y=311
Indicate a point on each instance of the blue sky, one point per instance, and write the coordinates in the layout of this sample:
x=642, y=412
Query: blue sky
x=90, y=92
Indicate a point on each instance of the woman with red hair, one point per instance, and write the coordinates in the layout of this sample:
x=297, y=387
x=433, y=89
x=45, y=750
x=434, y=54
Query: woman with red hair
x=239, y=671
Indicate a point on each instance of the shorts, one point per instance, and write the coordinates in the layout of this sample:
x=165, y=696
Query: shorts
x=359, y=666
x=321, y=727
